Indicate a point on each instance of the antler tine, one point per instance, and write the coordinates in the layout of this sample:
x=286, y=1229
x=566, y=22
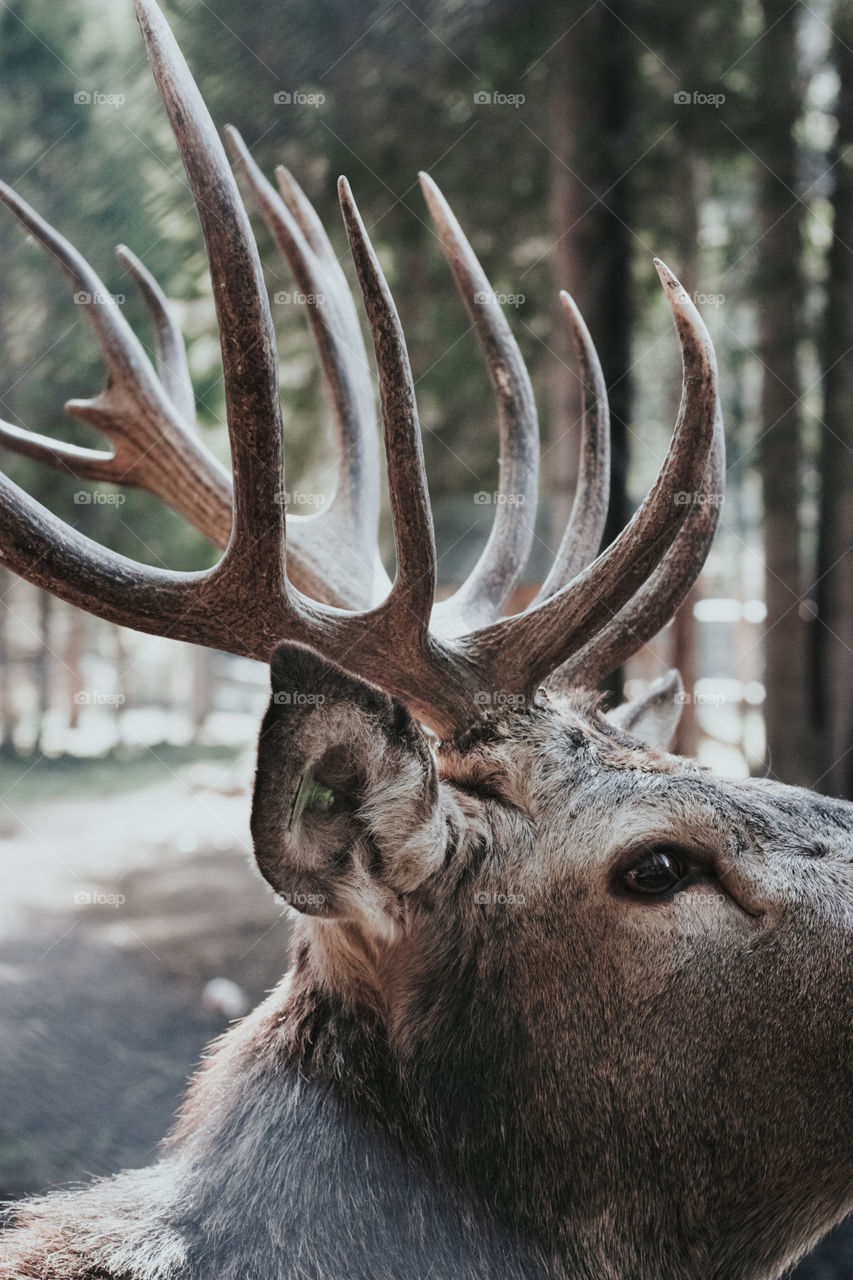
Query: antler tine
x=345, y=532
x=123, y=352
x=183, y=606
x=86, y=464
x=657, y=601
x=305, y=216
x=521, y=651
x=249, y=360
x=414, y=587
x=294, y=225
x=153, y=450
x=484, y=594
x=360, y=463
x=49, y=553
x=170, y=354
x=308, y=221
x=585, y=528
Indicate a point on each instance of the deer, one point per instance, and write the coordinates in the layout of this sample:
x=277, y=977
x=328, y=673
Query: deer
x=561, y=1005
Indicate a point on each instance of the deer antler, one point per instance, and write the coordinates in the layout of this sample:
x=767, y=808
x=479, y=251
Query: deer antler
x=248, y=603
x=585, y=527
x=657, y=601
x=151, y=417
x=154, y=448
x=663, y=592
x=170, y=354
x=334, y=554
x=299, y=234
x=487, y=590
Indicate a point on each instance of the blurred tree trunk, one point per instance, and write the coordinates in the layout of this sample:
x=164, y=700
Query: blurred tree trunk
x=119, y=692
x=592, y=129
x=834, y=626
x=8, y=720
x=564, y=407
x=203, y=684
x=7, y=710
x=43, y=665
x=780, y=290
x=75, y=638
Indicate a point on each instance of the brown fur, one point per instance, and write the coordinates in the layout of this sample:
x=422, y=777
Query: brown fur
x=489, y=1058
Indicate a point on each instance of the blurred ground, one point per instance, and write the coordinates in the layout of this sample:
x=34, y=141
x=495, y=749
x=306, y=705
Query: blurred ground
x=127, y=889
x=116, y=910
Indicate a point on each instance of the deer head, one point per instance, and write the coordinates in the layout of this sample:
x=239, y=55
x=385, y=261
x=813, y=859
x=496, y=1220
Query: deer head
x=600, y=993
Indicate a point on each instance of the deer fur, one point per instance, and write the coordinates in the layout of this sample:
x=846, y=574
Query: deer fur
x=561, y=1005
x=488, y=1059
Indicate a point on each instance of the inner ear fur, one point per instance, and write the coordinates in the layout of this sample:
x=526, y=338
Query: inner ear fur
x=347, y=813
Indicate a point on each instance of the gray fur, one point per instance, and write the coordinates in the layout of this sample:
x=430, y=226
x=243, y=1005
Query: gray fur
x=488, y=1059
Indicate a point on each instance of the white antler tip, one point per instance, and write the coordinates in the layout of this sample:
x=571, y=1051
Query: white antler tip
x=438, y=207
x=569, y=304
x=667, y=277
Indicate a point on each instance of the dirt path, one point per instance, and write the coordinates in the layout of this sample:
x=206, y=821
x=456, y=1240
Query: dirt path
x=114, y=915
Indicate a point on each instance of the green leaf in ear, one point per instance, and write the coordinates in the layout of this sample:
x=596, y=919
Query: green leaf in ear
x=311, y=797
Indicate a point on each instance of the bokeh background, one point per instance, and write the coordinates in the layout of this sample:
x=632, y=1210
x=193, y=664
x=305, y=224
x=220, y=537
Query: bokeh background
x=575, y=141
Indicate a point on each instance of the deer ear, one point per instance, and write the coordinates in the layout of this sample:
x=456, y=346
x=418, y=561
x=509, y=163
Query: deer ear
x=347, y=815
x=654, y=716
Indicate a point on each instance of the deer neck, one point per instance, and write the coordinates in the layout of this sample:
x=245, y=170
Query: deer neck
x=303, y=1119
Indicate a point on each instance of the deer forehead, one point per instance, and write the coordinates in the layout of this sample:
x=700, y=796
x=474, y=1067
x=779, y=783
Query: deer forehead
x=591, y=791
x=545, y=758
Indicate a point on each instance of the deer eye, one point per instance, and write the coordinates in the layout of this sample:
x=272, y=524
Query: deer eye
x=657, y=872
